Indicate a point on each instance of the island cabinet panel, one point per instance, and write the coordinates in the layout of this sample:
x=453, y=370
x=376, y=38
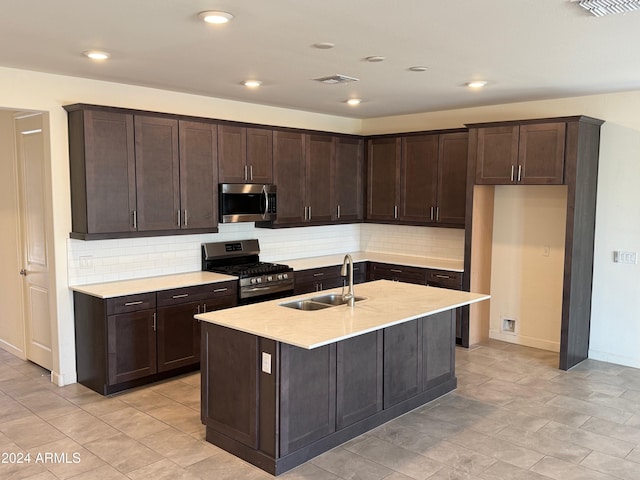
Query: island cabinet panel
x=307, y=407
x=231, y=407
x=438, y=353
x=358, y=378
x=402, y=362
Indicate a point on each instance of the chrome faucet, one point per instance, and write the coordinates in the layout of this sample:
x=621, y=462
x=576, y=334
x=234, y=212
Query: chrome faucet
x=348, y=297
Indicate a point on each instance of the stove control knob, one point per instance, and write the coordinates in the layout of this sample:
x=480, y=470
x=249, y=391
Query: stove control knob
x=279, y=276
x=253, y=281
x=269, y=278
x=285, y=276
x=258, y=280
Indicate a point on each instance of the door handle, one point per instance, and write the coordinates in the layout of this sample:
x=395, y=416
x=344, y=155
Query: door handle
x=24, y=273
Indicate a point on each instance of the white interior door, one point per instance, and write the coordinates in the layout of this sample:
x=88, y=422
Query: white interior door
x=30, y=150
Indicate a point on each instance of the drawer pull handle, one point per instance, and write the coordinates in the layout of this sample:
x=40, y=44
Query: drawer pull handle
x=131, y=304
x=394, y=270
x=443, y=276
x=218, y=290
x=183, y=295
x=318, y=274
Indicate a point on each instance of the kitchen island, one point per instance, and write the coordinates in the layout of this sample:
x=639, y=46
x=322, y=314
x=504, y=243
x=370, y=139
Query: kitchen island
x=281, y=385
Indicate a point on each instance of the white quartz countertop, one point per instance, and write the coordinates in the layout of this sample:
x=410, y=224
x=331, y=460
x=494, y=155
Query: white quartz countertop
x=387, y=303
x=151, y=284
x=407, y=260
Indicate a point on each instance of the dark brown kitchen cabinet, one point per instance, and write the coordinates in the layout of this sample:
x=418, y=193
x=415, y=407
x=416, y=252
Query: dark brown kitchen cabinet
x=157, y=174
x=245, y=154
x=452, y=280
x=317, y=279
x=383, y=178
x=289, y=176
x=419, y=178
x=319, y=164
x=198, y=175
x=347, y=185
x=527, y=154
x=124, y=342
x=452, y=178
x=397, y=273
x=102, y=172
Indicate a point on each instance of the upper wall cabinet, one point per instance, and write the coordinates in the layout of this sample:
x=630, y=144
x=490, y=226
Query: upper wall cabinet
x=245, y=155
x=347, y=188
x=418, y=179
x=140, y=175
x=528, y=154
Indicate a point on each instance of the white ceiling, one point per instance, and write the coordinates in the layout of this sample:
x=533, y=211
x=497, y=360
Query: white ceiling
x=525, y=49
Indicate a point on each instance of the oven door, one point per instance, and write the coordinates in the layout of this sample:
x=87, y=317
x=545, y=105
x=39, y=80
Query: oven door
x=257, y=294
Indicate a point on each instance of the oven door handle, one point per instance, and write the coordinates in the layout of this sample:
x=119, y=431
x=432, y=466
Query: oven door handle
x=258, y=289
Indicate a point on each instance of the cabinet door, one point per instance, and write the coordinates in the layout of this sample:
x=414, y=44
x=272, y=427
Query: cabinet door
x=157, y=173
x=307, y=408
x=198, y=175
x=497, y=155
x=452, y=178
x=438, y=344
x=131, y=350
x=319, y=164
x=402, y=362
x=383, y=178
x=103, y=189
x=347, y=184
x=358, y=378
x=260, y=155
x=232, y=154
x=288, y=175
x=541, y=154
x=398, y=273
x=419, y=178
x=178, y=336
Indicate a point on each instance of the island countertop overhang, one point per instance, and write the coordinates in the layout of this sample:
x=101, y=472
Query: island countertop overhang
x=387, y=303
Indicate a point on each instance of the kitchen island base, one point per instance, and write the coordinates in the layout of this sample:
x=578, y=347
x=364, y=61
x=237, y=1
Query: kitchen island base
x=276, y=405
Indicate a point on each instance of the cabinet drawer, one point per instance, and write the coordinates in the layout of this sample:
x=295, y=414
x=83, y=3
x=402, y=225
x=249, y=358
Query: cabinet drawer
x=317, y=274
x=444, y=278
x=197, y=293
x=131, y=303
x=398, y=273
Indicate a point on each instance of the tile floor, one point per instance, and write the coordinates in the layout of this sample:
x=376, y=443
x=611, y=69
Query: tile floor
x=513, y=416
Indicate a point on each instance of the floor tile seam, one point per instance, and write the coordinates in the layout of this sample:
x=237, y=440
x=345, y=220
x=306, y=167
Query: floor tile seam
x=636, y=431
x=129, y=474
x=549, y=437
x=612, y=475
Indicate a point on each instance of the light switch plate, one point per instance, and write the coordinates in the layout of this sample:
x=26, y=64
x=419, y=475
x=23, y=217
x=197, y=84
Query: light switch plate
x=625, y=257
x=266, y=362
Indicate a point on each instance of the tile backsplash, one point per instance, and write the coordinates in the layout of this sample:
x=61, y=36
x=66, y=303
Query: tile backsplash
x=120, y=259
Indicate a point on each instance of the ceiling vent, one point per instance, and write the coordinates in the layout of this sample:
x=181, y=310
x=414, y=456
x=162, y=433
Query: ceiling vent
x=336, y=79
x=600, y=8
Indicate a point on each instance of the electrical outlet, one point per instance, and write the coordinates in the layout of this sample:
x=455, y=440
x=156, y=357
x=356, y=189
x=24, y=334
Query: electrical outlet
x=625, y=257
x=86, y=261
x=266, y=362
x=508, y=325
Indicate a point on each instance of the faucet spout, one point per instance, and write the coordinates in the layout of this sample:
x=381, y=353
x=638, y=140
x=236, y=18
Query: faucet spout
x=349, y=297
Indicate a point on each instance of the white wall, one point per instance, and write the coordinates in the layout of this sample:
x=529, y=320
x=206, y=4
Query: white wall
x=615, y=325
x=527, y=264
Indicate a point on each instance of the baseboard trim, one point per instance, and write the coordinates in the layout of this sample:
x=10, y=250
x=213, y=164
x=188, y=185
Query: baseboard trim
x=525, y=341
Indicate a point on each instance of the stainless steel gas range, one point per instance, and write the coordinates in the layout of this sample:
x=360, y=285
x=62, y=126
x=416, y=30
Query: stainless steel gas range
x=259, y=281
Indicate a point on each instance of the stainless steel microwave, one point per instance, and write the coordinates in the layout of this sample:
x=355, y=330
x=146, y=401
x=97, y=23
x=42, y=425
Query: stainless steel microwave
x=247, y=202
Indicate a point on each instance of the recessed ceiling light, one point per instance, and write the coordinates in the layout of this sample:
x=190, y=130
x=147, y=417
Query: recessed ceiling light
x=324, y=45
x=418, y=68
x=216, y=17
x=354, y=101
x=375, y=58
x=476, y=84
x=252, y=83
x=96, y=54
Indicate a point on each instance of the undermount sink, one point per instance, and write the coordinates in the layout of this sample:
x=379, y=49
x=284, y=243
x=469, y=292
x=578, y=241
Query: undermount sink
x=319, y=303
x=334, y=299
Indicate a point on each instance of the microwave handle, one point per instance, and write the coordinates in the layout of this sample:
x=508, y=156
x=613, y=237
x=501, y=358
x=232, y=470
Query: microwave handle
x=266, y=201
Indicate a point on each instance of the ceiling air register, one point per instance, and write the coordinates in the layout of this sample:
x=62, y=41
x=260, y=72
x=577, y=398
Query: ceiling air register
x=599, y=8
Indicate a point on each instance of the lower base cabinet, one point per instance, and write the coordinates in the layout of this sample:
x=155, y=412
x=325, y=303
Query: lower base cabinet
x=277, y=406
x=124, y=342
